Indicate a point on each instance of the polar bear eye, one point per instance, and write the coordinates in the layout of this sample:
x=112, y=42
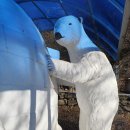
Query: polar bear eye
x=70, y=23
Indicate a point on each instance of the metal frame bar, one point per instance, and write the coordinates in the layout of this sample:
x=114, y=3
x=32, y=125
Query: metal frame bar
x=124, y=94
x=125, y=22
x=117, y=5
x=60, y=2
x=93, y=20
x=40, y=18
x=44, y=15
x=24, y=1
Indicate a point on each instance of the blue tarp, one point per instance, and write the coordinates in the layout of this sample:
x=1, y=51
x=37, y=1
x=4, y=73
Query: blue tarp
x=102, y=18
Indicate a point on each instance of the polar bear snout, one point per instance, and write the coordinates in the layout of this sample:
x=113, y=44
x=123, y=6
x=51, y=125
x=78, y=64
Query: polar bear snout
x=58, y=36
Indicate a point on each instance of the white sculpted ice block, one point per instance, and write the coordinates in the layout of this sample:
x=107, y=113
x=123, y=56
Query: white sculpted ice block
x=28, y=100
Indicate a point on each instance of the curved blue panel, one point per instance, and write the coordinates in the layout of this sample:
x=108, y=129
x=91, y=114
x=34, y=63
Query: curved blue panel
x=20, y=48
x=26, y=102
x=102, y=17
x=24, y=78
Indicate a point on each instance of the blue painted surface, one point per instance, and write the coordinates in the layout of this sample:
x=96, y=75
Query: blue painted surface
x=24, y=80
x=55, y=54
x=21, y=48
x=102, y=18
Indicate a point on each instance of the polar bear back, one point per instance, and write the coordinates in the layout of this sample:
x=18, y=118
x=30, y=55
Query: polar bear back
x=102, y=86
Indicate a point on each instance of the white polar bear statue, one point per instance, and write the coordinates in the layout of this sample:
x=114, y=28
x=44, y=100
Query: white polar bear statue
x=90, y=71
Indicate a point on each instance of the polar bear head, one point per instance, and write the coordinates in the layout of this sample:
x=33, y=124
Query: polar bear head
x=67, y=31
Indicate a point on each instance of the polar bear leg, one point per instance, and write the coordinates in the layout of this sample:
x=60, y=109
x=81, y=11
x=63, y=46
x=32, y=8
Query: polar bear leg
x=102, y=118
x=83, y=121
x=1, y=126
x=101, y=124
x=58, y=127
x=87, y=123
x=108, y=127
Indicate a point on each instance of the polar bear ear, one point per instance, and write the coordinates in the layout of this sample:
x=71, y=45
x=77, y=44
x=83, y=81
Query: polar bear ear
x=80, y=19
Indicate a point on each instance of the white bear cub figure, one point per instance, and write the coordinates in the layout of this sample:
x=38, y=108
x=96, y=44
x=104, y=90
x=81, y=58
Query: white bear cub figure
x=90, y=71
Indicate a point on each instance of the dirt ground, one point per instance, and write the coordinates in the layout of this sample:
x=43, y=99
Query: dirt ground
x=69, y=117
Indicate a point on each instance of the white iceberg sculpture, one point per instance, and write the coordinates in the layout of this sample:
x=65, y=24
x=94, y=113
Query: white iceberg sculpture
x=28, y=99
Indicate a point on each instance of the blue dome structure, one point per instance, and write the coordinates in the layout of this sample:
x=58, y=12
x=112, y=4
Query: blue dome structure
x=102, y=19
